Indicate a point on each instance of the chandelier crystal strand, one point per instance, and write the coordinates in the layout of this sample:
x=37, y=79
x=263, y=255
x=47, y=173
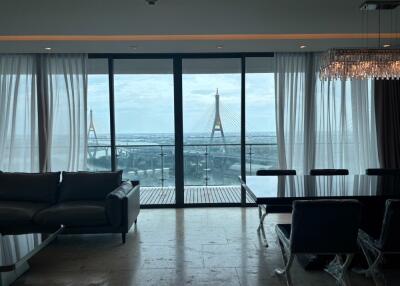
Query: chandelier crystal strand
x=361, y=64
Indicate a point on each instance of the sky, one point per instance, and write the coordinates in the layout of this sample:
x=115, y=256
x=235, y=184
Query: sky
x=144, y=102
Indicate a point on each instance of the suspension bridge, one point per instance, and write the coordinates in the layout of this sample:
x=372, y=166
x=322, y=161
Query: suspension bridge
x=212, y=158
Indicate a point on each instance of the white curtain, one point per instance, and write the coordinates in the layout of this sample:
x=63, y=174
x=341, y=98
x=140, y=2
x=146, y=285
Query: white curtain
x=322, y=124
x=345, y=124
x=19, y=148
x=18, y=114
x=65, y=97
x=61, y=107
x=294, y=121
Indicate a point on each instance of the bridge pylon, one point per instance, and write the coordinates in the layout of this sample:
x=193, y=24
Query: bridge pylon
x=217, y=125
x=92, y=132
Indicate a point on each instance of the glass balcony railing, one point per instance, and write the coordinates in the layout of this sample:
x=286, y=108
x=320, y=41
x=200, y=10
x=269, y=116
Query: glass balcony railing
x=204, y=164
x=153, y=165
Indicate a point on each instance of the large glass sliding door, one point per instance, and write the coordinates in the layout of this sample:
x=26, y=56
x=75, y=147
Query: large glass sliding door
x=144, y=126
x=185, y=126
x=211, y=97
x=98, y=105
x=261, y=143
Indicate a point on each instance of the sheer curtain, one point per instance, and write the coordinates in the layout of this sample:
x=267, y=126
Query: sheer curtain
x=345, y=124
x=18, y=114
x=18, y=134
x=60, y=110
x=64, y=95
x=322, y=124
x=294, y=119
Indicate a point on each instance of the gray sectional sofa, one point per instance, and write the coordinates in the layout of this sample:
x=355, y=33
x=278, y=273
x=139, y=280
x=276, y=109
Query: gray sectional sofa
x=84, y=202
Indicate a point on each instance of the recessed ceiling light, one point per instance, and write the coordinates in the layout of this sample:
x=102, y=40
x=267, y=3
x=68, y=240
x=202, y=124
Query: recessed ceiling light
x=47, y=49
x=386, y=45
x=220, y=46
x=303, y=46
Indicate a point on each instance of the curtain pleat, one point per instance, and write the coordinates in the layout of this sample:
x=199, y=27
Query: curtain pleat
x=18, y=136
x=18, y=114
x=65, y=88
x=322, y=124
x=56, y=114
x=62, y=113
x=293, y=117
x=345, y=131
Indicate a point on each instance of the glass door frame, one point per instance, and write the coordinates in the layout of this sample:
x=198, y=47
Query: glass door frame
x=178, y=110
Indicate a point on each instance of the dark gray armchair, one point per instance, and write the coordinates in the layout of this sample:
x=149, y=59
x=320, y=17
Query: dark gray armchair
x=264, y=210
x=387, y=242
x=321, y=227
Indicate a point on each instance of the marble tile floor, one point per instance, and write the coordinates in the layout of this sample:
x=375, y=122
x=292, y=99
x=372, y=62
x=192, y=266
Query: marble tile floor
x=199, y=246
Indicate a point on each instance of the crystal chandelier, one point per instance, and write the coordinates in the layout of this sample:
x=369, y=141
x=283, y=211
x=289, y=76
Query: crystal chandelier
x=363, y=63
x=360, y=64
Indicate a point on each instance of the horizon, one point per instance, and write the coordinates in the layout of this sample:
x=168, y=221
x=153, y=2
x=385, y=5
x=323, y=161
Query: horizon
x=144, y=103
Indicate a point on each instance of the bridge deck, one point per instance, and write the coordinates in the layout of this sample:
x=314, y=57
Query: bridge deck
x=153, y=196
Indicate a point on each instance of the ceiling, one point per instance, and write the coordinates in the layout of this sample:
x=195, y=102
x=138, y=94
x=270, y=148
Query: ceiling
x=133, y=26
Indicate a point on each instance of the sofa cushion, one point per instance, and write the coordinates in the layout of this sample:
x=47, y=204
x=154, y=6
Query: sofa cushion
x=32, y=187
x=88, y=186
x=77, y=213
x=15, y=213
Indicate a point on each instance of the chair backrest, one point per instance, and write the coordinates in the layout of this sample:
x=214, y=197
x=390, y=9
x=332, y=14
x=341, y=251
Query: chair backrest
x=276, y=172
x=329, y=172
x=325, y=226
x=383, y=172
x=389, y=239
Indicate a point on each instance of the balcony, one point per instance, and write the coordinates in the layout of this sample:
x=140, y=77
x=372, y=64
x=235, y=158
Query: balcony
x=194, y=196
x=211, y=170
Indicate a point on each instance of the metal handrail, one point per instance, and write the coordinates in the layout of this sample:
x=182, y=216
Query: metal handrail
x=206, y=154
x=184, y=145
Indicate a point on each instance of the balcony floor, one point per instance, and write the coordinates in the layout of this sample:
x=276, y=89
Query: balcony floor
x=194, y=195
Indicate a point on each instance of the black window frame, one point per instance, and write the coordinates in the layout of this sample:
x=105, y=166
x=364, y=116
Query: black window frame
x=177, y=59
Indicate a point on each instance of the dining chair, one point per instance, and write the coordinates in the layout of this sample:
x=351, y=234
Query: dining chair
x=382, y=172
x=329, y=172
x=321, y=227
x=374, y=247
x=275, y=172
x=264, y=210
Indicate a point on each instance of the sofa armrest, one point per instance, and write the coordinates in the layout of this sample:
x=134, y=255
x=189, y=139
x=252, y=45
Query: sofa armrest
x=131, y=207
x=114, y=203
x=123, y=205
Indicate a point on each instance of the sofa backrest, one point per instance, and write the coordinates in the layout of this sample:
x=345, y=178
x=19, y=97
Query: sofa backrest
x=89, y=186
x=32, y=187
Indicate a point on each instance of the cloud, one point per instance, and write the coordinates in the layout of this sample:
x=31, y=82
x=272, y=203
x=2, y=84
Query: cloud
x=145, y=103
x=202, y=92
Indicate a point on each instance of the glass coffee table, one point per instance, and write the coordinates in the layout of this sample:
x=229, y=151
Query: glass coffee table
x=16, y=250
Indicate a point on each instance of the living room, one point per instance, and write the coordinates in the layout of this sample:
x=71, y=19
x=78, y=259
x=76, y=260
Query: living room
x=183, y=142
